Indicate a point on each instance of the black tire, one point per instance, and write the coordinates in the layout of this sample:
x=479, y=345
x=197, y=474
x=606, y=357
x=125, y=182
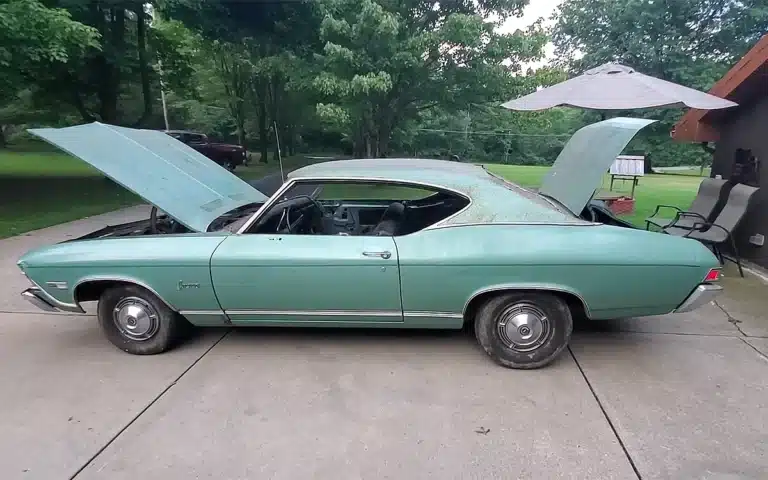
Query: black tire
x=147, y=336
x=549, y=327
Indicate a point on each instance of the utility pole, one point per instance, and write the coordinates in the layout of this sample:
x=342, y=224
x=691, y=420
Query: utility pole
x=155, y=17
x=162, y=93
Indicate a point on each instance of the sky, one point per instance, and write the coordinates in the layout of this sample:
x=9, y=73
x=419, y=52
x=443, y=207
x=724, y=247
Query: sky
x=534, y=10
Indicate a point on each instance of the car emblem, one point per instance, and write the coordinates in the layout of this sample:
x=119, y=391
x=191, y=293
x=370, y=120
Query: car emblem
x=184, y=285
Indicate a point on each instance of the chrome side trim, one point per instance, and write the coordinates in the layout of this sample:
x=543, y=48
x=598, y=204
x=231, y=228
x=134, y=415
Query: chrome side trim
x=317, y=313
x=517, y=224
x=118, y=278
x=432, y=314
x=40, y=292
x=701, y=295
x=200, y=312
x=58, y=285
x=296, y=180
x=515, y=287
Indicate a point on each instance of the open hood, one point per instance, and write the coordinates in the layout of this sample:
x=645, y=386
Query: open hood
x=165, y=172
x=587, y=156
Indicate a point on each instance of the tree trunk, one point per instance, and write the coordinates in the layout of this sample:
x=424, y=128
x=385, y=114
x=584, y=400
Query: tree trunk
x=241, y=137
x=384, y=137
x=109, y=89
x=263, y=130
x=368, y=145
x=290, y=141
x=3, y=140
x=275, y=84
x=141, y=38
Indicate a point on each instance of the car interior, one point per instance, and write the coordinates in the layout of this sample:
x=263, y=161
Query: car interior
x=398, y=210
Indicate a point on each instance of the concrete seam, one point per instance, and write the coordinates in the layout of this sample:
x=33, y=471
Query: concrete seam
x=754, y=348
x=682, y=334
x=147, y=407
x=731, y=319
x=605, y=414
x=49, y=314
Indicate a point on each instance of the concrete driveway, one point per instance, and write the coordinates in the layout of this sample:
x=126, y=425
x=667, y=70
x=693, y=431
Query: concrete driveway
x=681, y=396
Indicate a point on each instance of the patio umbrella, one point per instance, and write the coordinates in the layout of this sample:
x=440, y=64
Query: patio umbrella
x=617, y=87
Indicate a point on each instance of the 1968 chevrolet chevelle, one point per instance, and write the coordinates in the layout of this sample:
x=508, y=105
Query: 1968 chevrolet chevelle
x=395, y=243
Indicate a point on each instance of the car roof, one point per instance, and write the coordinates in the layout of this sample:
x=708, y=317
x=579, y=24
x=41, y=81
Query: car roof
x=493, y=200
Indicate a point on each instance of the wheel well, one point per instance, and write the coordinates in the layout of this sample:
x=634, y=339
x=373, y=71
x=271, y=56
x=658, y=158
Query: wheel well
x=575, y=304
x=91, y=291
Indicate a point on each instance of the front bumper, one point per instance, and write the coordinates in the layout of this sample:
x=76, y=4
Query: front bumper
x=37, y=297
x=701, y=295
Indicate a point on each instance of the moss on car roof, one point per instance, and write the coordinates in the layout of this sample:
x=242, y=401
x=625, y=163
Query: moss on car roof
x=493, y=200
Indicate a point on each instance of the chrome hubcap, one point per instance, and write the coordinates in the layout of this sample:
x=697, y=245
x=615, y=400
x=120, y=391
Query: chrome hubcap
x=523, y=327
x=135, y=318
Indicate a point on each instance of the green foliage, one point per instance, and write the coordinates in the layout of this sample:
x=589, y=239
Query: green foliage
x=32, y=37
x=690, y=42
x=364, y=77
x=385, y=62
x=35, y=40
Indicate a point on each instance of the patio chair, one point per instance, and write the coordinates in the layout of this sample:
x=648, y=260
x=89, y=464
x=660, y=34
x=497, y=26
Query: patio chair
x=707, y=198
x=721, y=229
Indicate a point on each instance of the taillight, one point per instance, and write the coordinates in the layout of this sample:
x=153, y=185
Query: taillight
x=713, y=275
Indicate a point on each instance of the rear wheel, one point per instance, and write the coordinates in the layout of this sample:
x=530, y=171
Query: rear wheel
x=138, y=322
x=524, y=330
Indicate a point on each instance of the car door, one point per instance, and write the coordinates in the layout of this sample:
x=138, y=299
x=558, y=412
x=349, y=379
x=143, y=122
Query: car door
x=284, y=279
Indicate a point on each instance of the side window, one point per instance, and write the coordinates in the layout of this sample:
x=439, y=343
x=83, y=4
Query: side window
x=195, y=138
x=357, y=208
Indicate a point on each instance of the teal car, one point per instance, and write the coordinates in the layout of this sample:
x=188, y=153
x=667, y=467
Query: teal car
x=379, y=243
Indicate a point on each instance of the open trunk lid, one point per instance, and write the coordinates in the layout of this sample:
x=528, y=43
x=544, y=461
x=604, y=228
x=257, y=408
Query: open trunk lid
x=579, y=169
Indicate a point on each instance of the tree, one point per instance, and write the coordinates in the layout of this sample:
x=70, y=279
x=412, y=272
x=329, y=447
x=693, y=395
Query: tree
x=275, y=40
x=109, y=81
x=385, y=61
x=233, y=71
x=34, y=40
x=690, y=42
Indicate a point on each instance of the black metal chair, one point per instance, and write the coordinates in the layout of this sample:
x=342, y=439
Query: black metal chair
x=703, y=205
x=720, y=230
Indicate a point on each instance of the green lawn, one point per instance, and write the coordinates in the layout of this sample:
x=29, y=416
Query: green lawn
x=42, y=189
x=652, y=190
x=39, y=189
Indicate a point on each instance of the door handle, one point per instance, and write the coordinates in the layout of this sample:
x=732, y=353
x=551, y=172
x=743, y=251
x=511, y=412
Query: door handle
x=385, y=255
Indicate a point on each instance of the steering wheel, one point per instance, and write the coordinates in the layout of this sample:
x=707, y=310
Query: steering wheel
x=291, y=226
x=154, y=226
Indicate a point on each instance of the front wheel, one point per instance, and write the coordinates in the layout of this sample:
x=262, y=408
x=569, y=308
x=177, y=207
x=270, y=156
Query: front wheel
x=524, y=330
x=138, y=322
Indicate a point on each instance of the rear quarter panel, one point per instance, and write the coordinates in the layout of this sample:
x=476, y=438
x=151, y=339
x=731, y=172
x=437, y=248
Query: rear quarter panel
x=617, y=272
x=158, y=262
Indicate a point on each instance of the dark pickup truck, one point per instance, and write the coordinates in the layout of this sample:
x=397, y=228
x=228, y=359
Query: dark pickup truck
x=226, y=155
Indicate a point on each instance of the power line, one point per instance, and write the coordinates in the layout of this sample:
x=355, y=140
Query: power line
x=468, y=132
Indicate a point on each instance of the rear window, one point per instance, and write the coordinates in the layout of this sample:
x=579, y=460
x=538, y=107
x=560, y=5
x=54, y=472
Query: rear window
x=529, y=194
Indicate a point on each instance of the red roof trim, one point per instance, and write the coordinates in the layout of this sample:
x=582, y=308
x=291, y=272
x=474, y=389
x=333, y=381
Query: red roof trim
x=692, y=127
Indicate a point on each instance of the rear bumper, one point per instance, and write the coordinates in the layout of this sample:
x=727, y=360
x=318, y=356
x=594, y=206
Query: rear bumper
x=701, y=295
x=37, y=297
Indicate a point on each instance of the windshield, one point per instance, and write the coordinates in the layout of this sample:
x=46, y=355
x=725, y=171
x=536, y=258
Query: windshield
x=234, y=219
